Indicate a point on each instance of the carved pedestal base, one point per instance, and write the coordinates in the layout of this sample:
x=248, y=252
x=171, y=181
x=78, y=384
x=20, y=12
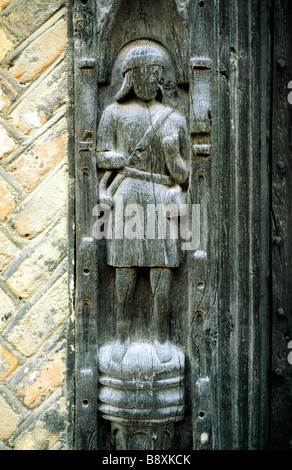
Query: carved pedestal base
x=142, y=438
x=141, y=396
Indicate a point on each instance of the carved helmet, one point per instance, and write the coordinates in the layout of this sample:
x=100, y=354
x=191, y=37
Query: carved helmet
x=143, y=55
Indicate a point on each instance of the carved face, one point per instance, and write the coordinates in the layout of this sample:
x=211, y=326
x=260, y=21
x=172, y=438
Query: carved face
x=146, y=81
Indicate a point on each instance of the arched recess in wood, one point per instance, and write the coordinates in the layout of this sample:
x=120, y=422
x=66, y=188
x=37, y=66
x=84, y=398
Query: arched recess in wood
x=131, y=20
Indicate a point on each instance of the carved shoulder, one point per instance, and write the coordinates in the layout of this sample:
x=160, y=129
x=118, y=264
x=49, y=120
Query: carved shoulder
x=108, y=117
x=107, y=157
x=179, y=120
x=107, y=128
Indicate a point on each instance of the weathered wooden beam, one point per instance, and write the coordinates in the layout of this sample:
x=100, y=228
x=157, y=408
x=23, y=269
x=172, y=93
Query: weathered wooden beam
x=281, y=228
x=201, y=291
x=86, y=343
x=219, y=318
x=238, y=315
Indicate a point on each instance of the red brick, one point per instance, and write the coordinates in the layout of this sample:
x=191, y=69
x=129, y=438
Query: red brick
x=41, y=53
x=7, y=309
x=8, y=420
x=44, y=206
x=7, y=94
x=27, y=16
x=30, y=168
x=41, y=320
x=8, y=251
x=42, y=102
x=7, y=144
x=37, y=268
x=4, y=2
x=42, y=383
x=7, y=202
x=45, y=431
x=6, y=45
x=8, y=363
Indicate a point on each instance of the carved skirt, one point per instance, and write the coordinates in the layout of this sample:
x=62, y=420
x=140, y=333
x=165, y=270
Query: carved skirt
x=144, y=227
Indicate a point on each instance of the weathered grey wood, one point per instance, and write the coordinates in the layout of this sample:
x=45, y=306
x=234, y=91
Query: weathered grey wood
x=281, y=228
x=140, y=21
x=86, y=342
x=70, y=359
x=132, y=20
x=200, y=290
x=239, y=251
x=142, y=144
x=218, y=315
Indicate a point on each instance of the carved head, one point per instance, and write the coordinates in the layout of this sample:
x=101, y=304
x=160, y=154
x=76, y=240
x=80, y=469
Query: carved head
x=142, y=69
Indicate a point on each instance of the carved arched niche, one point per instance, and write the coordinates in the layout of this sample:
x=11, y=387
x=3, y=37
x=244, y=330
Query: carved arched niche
x=132, y=20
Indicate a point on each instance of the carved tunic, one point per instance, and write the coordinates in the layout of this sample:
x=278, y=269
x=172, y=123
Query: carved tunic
x=121, y=128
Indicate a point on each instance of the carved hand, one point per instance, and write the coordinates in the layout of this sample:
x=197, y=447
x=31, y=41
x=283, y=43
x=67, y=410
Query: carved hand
x=171, y=146
x=106, y=202
x=175, y=163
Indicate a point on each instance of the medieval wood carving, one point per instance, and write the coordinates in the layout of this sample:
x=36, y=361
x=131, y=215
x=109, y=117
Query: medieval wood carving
x=142, y=146
x=141, y=132
x=171, y=319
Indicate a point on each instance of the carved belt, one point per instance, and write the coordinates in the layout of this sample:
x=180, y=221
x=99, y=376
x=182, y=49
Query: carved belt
x=146, y=176
x=142, y=175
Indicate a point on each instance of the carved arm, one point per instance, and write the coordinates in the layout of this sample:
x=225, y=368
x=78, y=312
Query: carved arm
x=109, y=160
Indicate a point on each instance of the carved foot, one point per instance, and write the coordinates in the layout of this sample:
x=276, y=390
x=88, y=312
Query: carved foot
x=119, y=350
x=163, y=351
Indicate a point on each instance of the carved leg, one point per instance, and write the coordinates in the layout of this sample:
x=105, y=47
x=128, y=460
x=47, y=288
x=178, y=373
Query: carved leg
x=125, y=287
x=160, y=285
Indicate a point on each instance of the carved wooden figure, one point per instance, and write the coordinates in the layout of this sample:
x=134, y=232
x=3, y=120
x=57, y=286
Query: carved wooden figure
x=142, y=145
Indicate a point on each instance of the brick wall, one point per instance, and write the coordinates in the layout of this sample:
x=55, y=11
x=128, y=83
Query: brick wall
x=34, y=299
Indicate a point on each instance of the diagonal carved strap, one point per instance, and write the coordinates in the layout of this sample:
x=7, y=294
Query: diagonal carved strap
x=139, y=149
x=152, y=131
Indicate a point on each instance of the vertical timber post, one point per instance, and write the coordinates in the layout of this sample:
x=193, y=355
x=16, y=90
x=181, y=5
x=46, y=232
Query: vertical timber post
x=200, y=291
x=281, y=228
x=86, y=364
x=240, y=202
